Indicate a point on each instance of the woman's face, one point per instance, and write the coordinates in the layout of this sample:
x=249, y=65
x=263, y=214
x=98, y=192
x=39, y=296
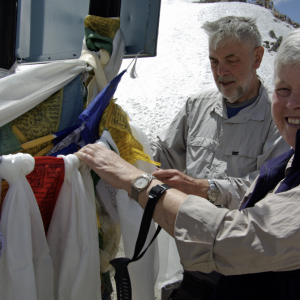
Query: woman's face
x=286, y=103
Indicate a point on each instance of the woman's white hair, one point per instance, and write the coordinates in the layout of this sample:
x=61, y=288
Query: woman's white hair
x=231, y=28
x=288, y=54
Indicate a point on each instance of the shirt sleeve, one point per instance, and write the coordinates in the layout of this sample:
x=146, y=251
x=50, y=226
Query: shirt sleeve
x=232, y=190
x=170, y=148
x=258, y=239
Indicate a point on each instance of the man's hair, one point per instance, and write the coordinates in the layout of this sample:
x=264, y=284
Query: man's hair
x=288, y=54
x=231, y=28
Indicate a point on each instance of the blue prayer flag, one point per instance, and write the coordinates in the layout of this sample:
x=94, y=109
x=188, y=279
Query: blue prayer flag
x=91, y=116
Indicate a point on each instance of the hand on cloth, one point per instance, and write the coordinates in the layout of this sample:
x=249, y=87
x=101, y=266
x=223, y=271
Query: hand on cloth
x=120, y=174
x=182, y=182
x=109, y=166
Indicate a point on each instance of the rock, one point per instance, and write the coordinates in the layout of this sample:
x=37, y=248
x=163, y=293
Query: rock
x=272, y=34
x=276, y=44
x=266, y=44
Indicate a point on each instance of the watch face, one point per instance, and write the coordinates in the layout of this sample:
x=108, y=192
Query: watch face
x=141, y=182
x=213, y=194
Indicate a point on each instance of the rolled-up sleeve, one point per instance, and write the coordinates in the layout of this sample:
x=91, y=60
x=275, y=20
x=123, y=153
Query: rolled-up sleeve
x=196, y=227
x=258, y=239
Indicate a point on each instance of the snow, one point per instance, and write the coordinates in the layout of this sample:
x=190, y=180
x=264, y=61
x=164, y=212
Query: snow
x=181, y=67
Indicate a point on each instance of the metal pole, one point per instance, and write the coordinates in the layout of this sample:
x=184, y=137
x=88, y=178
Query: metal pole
x=8, y=29
x=105, y=8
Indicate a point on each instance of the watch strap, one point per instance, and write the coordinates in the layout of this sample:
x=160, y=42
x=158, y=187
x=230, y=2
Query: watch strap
x=157, y=191
x=154, y=195
x=134, y=193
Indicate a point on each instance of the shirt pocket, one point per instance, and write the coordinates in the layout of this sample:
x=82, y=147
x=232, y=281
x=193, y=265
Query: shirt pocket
x=244, y=151
x=241, y=161
x=200, y=154
x=198, y=141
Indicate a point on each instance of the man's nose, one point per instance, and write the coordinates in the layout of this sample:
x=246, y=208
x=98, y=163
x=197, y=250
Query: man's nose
x=222, y=69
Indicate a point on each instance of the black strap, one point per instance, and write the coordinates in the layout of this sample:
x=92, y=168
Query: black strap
x=122, y=278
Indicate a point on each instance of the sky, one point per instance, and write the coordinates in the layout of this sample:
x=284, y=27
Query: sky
x=291, y=8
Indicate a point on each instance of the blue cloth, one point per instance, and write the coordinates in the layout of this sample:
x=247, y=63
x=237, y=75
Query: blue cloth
x=62, y=134
x=91, y=116
x=72, y=148
x=72, y=105
x=293, y=177
x=271, y=172
x=231, y=112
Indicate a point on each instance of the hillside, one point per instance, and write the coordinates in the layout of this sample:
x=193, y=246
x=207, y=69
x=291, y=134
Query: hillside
x=181, y=67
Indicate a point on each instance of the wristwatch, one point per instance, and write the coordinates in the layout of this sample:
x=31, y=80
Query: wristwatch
x=139, y=184
x=213, y=192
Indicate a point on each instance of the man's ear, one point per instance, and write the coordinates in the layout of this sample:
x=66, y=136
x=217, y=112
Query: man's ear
x=257, y=56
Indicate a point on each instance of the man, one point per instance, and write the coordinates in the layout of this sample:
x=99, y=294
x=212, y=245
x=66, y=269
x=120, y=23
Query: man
x=221, y=137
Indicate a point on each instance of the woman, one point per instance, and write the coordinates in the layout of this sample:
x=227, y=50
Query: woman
x=257, y=247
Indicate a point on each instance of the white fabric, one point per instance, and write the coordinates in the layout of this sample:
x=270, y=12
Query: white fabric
x=112, y=68
x=24, y=90
x=104, y=57
x=99, y=82
x=133, y=73
x=105, y=68
x=4, y=72
x=106, y=195
x=27, y=88
x=105, y=191
x=26, y=270
x=170, y=269
x=143, y=273
x=72, y=236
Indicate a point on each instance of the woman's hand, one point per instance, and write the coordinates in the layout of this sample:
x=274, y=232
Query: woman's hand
x=109, y=166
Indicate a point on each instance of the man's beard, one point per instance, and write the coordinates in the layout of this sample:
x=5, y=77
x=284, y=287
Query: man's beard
x=234, y=96
x=235, y=93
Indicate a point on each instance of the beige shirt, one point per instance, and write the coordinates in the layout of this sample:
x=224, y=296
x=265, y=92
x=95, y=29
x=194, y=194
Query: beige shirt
x=204, y=142
x=257, y=239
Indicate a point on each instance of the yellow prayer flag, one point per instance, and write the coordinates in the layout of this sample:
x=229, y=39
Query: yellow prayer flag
x=116, y=121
